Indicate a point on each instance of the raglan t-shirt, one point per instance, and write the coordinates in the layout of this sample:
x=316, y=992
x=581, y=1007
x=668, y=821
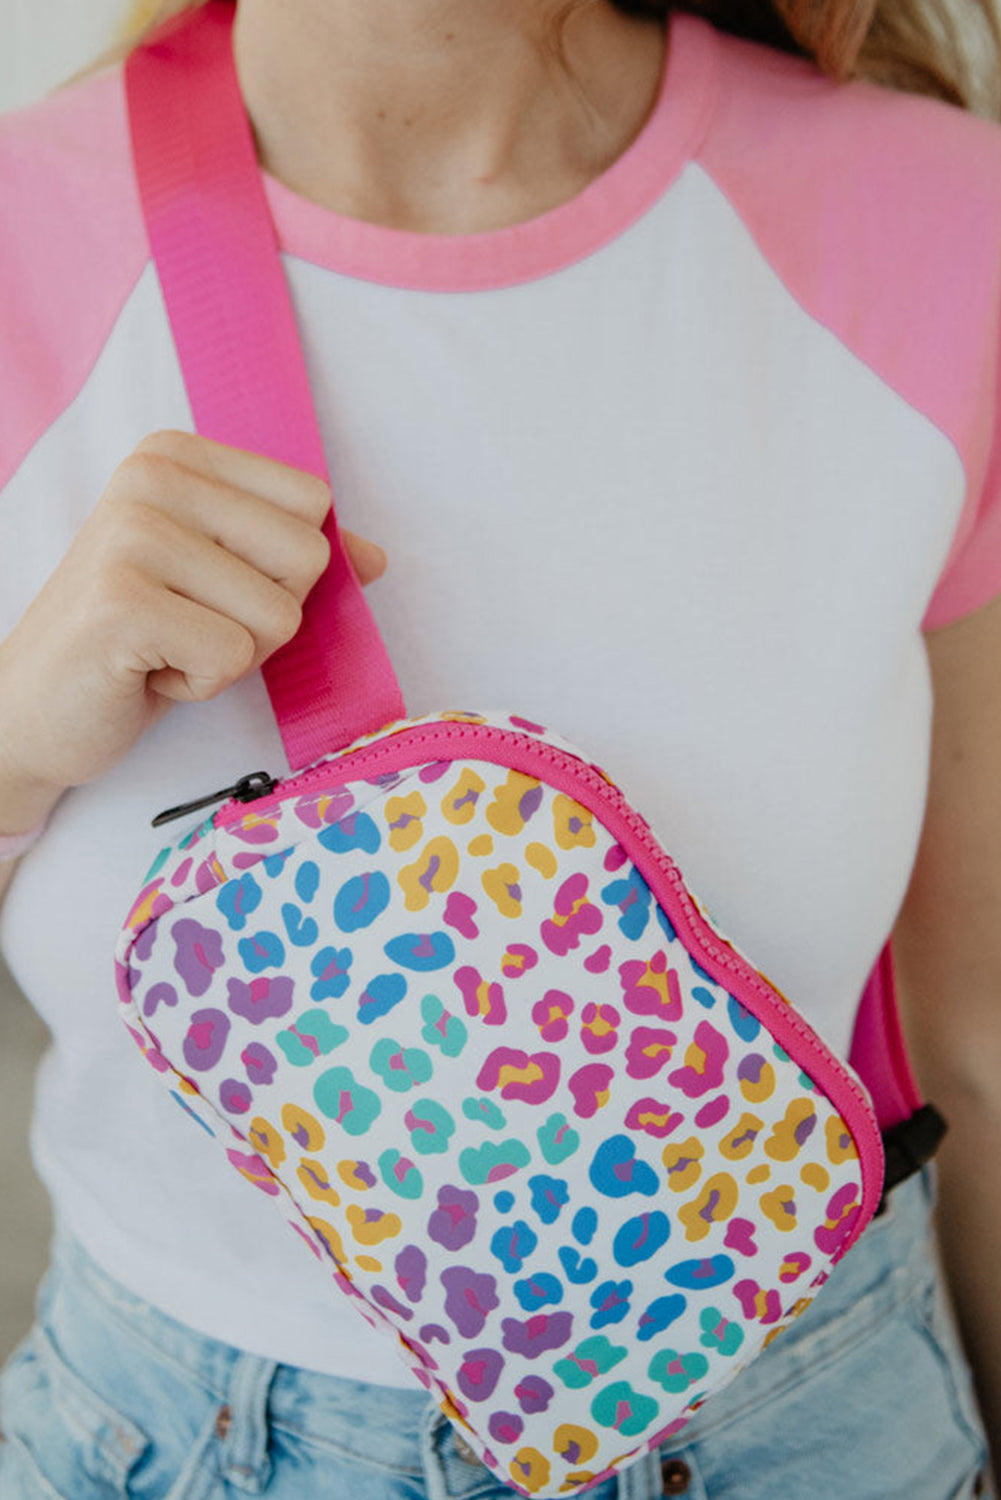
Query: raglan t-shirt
x=682, y=468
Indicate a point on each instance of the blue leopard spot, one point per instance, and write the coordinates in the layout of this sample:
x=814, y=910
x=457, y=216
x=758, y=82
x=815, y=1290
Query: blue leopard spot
x=330, y=968
x=307, y=880
x=356, y=831
x=744, y=1024
x=512, y=1244
x=302, y=930
x=705, y=997
x=641, y=1237
x=585, y=1222
x=503, y=1201
x=632, y=896
x=264, y=950
x=549, y=1195
x=360, y=900
x=379, y=996
x=698, y=1274
x=610, y=1301
x=271, y=864
x=665, y=923
x=616, y=1171
x=538, y=1290
x=421, y=950
x=660, y=1314
x=578, y=1271
x=237, y=899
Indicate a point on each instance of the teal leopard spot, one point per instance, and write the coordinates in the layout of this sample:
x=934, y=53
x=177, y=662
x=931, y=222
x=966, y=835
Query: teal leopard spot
x=492, y=1161
x=557, y=1140
x=312, y=1035
x=340, y=1097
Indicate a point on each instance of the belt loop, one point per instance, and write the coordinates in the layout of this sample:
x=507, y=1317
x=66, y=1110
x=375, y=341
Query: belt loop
x=244, y=1433
x=641, y=1481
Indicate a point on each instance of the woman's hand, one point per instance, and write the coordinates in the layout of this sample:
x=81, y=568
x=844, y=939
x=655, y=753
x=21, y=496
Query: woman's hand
x=189, y=572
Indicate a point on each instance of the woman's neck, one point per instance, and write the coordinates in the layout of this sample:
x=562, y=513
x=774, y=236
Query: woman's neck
x=442, y=116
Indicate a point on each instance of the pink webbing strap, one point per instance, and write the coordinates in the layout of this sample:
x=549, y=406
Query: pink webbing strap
x=878, y=1051
x=234, y=327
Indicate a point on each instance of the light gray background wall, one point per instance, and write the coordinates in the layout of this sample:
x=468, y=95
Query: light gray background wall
x=41, y=43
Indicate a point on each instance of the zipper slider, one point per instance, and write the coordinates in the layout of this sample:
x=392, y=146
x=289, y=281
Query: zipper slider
x=247, y=789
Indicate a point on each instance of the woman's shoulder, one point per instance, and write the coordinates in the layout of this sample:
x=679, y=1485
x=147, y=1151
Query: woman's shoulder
x=72, y=245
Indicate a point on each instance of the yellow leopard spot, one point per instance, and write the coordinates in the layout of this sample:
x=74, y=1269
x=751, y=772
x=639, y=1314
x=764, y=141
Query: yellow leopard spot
x=314, y=1178
x=756, y=1089
x=683, y=1163
x=793, y=1131
x=459, y=804
x=435, y=870
x=816, y=1176
x=840, y=1146
x=759, y=1174
x=482, y=844
x=580, y=1442
x=304, y=1128
x=186, y=1086
x=368, y=1263
x=530, y=1470
x=349, y=1174
x=739, y=1142
x=714, y=1205
x=267, y=1141
x=571, y=823
x=780, y=1207
x=514, y=803
x=502, y=886
x=330, y=1237
x=370, y=1226
x=542, y=859
x=404, y=814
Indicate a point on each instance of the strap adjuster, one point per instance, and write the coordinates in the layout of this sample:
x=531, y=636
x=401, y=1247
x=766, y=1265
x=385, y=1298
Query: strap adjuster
x=908, y=1145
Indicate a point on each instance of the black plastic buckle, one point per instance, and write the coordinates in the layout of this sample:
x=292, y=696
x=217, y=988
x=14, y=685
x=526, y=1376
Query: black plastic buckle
x=909, y=1145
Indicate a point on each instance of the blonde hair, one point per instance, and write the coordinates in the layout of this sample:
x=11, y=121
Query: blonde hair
x=948, y=49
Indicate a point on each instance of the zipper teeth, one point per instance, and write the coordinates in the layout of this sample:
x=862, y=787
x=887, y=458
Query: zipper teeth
x=609, y=794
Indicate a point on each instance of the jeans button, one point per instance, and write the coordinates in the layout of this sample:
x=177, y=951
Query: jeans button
x=464, y=1451
x=675, y=1476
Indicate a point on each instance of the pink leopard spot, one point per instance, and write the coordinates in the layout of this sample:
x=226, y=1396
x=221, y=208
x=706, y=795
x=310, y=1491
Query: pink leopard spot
x=460, y=910
x=599, y=960
x=591, y=1088
x=255, y=1171
x=651, y=989
x=482, y=999
x=532, y=1077
x=703, y=1066
x=740, y=1237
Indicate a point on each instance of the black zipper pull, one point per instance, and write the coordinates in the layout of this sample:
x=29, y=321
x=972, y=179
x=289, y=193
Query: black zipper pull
x=247, y=789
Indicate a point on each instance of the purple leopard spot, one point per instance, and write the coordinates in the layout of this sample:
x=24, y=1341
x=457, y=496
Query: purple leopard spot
x=385, y=1299
x=411, y=1272
x=235, y=1096
x=505, y=1427
x=199, y=954
x=479, y=1373
x=159, y=994
x=431, y=1331
x=538, y=1334
x=259, y=1063
x=264, y=998
x=205, y=1040
x=143, y=945
x=470, y=1296
x=453, y=1223
x=534, y=1394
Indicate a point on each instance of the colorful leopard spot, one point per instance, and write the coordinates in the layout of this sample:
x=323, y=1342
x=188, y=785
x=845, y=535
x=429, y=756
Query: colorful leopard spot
x=599, y=1028
x=610, y=1301
x=653, y=1118
x=400, y=1174
x=301, y=931
x=453, y=1223
x=339, y=1096
x=205, y=1040
x=505, y=1427
x=531, y=1077
x=459, y=804
x=330, y=1240
x=234, y=1096
x=357, y=1175
x=719, y=1333
x=557, y=1140
x=479, y=1373
x=640, y=1237
x=514, y=803
x=757, y=1304
x=503, y=886
x=384, y=1298
x=651, y=988
x=315, y=1179
x=536, y=1335
x=441, y=1029
x=199, y=954
x=262, y=950
x=584, y=1226
x=624, y=1409
x=534, y=1394
x=698, y=1275
x=599, y=961
x=744, y=1024
x=549, y=1196
x=756, y=1077
x=592, y=1357
x=237, y=899
x=815, y=1176
x=370, y=1226
x=431, y=1127
x=379, y=997
x=517, y=959
x=400, y=1068
x=313, y=1035
x=493, y=1161
x=740, y=1237
x=578, y=1269
x=158, y=994
x=759, y=1174
x=254, y=1170
x=460, y=910
x=714, y=1205
x=320, y=810
x=530, y=1470
x=739, y=1141
x=660, y=1314
x=331, y=969
x=703, y=1065
x=356, y=831
x=484, y=1112
x=780, y=1206
x=791, y=1133
x=263, y=999
x=712, y=1112
x=677, y=1372
x=304, y=1128
x=550, y=1015
x=591, y=1087
x=842, y=1212
x=266, y=1139
x=422, y=951
x=648, y=1050
x=469, y=1297
x=616, y=1171
x=512, y=1244
x=537, y=1290
x=481, y=846
x=573, y=1443
x=631, y=895
x=259, y=1063
x=572, y=823
x=404, y=814
x=411, y=1268
x=840, y=1144
x=360, y=900
x=574, y=917
x=433, y=872
x=542, y=859
x=483, y=1000
x=683, y=1163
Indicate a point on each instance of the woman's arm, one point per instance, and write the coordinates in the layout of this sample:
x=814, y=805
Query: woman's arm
x=947, y=946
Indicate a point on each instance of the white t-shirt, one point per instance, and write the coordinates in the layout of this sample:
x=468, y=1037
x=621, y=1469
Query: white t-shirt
x=680, y=468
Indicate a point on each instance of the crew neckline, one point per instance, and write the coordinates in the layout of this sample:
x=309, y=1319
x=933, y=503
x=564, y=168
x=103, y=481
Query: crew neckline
x=539, y=246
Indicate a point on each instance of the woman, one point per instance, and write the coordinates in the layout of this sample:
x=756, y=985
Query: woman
x=661, y=360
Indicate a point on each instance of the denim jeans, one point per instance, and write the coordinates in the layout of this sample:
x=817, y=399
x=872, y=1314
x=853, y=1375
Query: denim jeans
x=865, y=1397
